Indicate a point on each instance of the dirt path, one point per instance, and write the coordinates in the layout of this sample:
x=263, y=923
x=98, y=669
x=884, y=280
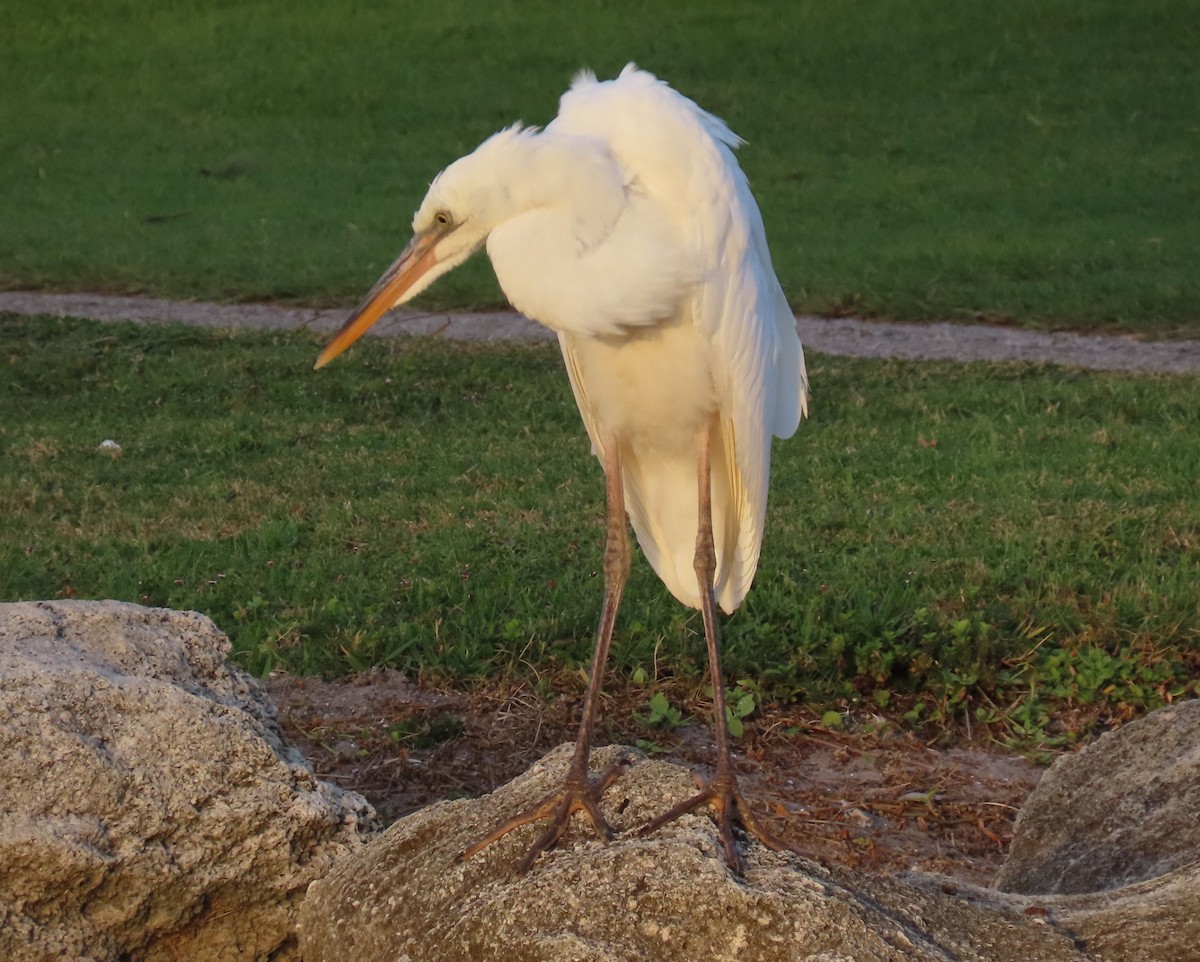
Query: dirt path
x=842, y=337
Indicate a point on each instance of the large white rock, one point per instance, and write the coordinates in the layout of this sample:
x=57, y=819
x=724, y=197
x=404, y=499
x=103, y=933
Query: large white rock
x=670, y=897
x=149, y=807
x=1126, y=809
x=406, y=897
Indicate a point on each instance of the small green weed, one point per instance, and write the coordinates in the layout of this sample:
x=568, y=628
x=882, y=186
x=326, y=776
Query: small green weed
x=741, y=701
x=660, y=713
x=832, y=719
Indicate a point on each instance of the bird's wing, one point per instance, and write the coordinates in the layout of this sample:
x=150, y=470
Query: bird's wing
x=758, y=365
x=682, y=157
x=586, y=410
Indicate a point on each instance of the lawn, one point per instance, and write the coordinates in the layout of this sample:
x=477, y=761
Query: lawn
x=1032, y=160
x=999, y=540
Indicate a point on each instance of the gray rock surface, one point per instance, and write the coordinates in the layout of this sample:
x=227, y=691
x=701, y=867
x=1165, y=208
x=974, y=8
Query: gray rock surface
x=149, y=808
x=1125, y=809
x=406, y=897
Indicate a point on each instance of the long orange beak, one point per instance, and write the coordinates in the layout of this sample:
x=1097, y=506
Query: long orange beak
x=413, y=263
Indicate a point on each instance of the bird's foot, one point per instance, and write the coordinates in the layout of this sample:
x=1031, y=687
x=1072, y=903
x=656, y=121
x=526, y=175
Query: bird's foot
x=729, y=806
x=577, y=794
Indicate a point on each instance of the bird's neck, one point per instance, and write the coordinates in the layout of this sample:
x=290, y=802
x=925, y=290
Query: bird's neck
x=571, y=179
x=582, y=253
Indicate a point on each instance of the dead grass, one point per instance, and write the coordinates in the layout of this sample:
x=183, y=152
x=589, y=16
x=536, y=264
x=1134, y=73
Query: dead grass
x=872, y=796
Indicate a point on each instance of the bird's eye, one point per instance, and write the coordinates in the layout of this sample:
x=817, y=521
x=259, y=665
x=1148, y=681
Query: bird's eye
x=441, y=218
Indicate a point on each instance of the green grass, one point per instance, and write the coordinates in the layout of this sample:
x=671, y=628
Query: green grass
x=999, y=538
x=921, y=159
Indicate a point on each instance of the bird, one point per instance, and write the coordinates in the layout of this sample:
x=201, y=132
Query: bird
x=627, y=227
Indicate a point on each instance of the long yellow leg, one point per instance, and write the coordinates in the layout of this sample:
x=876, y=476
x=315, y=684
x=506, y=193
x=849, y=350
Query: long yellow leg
x=722, y=793
x=578, y=792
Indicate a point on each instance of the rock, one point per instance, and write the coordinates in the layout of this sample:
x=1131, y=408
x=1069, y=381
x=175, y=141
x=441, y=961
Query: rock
x=149, y=807
x=1153, y=921
x=1125, y=809
x=406, y=897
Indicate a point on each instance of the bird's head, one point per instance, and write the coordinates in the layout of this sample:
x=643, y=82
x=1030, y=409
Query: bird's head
x=464, y=203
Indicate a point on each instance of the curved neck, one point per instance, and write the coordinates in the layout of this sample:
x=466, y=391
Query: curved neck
x=575, y=178
x=581, y=251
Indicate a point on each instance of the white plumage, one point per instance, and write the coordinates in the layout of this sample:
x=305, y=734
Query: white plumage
x=628, y=227
x=727, y=341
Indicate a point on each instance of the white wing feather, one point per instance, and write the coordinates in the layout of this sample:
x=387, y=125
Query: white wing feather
x=683, y=158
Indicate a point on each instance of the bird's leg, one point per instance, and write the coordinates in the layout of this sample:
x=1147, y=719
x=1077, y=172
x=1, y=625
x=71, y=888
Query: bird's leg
x=578, y=792
x=722, y=793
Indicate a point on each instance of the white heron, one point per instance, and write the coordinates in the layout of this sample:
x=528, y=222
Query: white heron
x=628, y=228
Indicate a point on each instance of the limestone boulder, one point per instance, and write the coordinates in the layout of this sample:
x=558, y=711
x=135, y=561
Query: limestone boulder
x=149, y=807
x=408, y=898
x=1123, y=810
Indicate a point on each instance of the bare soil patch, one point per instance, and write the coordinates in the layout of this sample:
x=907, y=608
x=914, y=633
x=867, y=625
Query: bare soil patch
x=879, y=801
